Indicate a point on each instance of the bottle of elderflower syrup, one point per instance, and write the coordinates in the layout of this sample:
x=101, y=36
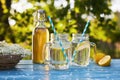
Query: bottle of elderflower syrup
x=40, y=36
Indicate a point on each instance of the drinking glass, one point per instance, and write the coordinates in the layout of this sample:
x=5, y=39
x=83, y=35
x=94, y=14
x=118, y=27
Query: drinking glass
x=81, y=49
x=53, y=52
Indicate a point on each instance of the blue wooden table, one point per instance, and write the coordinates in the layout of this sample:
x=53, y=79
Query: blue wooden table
x=26, y=70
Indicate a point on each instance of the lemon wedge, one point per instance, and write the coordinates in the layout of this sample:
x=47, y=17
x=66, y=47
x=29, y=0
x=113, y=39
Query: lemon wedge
x=98, y=57
x=105, y=61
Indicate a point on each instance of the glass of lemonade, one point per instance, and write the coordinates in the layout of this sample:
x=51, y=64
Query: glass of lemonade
x=80, y=49
x=55, y=56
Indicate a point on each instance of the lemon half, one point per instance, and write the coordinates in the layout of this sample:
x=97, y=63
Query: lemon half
x=105, y=61
x=98, y=57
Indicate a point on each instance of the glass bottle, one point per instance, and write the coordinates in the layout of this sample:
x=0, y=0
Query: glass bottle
x=40, y=36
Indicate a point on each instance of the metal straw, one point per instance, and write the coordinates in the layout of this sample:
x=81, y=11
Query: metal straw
x=60, y=42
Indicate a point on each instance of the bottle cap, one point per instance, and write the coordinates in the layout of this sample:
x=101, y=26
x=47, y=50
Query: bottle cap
x=39, y=15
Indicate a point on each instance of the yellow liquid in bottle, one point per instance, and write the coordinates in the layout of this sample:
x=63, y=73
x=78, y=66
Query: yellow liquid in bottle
x=40, y=37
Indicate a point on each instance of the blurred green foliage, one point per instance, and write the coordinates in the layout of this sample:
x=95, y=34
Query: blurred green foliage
x=102, y=30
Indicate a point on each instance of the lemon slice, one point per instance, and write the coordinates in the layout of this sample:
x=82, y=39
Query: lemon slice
x=98, y=57
x=105, y=61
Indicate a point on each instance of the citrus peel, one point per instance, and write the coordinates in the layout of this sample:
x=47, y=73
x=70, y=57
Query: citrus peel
x=105, y=61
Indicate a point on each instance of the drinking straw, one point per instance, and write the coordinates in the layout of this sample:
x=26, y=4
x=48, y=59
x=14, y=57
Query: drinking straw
x=83, y=33
x=60, y=42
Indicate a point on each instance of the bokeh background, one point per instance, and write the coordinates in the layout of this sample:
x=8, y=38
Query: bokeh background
x=69, y=16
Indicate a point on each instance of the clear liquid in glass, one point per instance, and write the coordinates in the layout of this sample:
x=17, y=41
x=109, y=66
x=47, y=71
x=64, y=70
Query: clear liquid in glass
x=82, y=54
x=58, y=60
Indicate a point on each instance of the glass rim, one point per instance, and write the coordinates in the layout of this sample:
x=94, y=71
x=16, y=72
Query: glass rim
x=65, y=35
x=80, y=34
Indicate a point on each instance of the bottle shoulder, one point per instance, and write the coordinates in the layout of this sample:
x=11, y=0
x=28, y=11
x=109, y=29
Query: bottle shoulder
x=40, y=30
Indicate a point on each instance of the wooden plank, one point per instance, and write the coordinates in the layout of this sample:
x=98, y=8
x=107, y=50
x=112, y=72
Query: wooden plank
x=26, y=70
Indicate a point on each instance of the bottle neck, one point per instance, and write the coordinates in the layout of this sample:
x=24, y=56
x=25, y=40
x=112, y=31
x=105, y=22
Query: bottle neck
x=39, y=18
x=40, y=24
